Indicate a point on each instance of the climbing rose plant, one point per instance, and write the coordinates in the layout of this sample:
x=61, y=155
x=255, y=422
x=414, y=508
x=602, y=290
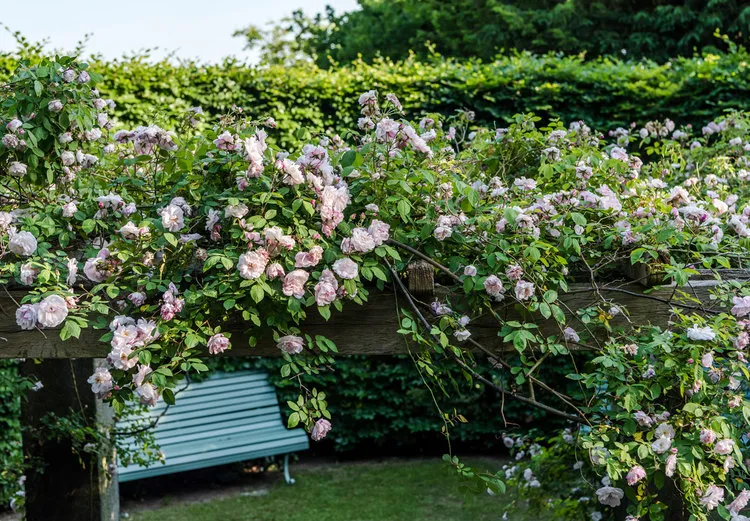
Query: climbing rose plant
x=179, y=244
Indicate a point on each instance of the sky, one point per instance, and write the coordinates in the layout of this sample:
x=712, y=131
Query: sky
x=191, y=28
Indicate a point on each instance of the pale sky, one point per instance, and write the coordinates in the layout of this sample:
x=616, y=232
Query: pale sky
x=192, y=28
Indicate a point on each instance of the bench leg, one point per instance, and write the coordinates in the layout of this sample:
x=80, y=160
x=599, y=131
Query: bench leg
x=289, y=480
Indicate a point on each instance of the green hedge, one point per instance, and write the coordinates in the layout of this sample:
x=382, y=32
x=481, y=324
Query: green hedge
x=381, y=406
x=605, y=93
x=11, y=455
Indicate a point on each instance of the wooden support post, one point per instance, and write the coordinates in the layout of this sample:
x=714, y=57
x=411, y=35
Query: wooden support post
x=59, y=485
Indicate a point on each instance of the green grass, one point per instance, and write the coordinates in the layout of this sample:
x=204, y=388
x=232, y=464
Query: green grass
x=395, y=490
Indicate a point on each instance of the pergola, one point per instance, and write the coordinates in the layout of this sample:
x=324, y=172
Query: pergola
x=65, y=489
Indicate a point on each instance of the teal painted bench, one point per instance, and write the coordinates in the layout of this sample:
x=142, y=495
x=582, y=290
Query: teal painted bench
x=227, y=418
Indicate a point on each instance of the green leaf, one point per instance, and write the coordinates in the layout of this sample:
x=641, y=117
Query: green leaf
x=257, y=293
x=88, y=225
x=70, y=329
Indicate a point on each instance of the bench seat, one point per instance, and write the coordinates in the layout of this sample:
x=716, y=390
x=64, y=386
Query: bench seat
x=227, y=418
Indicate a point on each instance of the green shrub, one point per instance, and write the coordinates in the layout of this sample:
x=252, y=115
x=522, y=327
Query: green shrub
x=11, y=454
x=605, y=93
x=380, y=404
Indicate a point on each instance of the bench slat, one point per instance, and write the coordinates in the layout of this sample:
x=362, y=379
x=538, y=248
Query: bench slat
x=224, y=419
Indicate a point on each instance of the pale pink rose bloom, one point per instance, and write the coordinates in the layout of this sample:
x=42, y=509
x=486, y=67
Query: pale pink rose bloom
x=218, y=344
x=52, y=311
x=172, y=218
x=346, y=268
x=141, y=374
x=443, y=232
x=379, y=231
x=69, y=209
x=277, y=241
x=701, y=333
x=294, y=283
x=55, y=105
x=308, y=259
x=524, y=290
x=101, y=381
x=252, y=264
x=147, y=331
x=22, y=243
x=387, y=130
x=470, y=271
x=239, y=211
x=90, y=269
x=707, y=436
x=137, y=298
x=514, y=272
x=255, y=146
x=571, y=335
x=610, y=496
x=320, y=429
x=643, y=419
x=274, y=271
x=148, y=394
x=325, y=293
x=72, y=271
x=28, y=274
x=741, y=306
x=120, y=358
x=724, y=447
x=292, y=171
x=17, y=169
x=124, y=336
x=671, y=464
x=332, y=203
x=494, y=286
x=291, y=344
x=713, y=497
x=68, y=158
x=26, y=316
x=635, y=474
x=362, y=241
x=740, y=502
x=661, y=444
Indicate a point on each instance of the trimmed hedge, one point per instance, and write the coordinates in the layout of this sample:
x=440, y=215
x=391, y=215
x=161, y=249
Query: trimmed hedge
x=605, y=93
x=381, y=406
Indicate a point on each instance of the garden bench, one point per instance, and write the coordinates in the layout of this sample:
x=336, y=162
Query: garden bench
x=227, y=418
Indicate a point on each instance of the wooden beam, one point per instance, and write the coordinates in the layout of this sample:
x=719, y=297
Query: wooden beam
x=59, y=486
x=371, y=329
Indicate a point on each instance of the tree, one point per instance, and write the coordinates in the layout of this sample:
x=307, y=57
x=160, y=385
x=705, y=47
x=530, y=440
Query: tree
x=657, y=29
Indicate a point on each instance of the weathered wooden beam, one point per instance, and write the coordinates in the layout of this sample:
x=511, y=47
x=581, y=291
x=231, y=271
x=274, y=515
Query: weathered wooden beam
x=371, y=329
x=59, y=486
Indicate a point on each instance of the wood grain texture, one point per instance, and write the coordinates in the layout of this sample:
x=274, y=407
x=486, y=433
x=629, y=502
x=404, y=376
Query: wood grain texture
x=369, y=329
x=58, y=486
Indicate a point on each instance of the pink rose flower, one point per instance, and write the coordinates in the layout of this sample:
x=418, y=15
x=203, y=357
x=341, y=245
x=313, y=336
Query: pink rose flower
x=52, y=311
x=346, y=268
x=635, y=474
x=26, y=316
x=294, y=283
x=494, y=287
x=320, y=429
x=274, y=271
x=524, y=290
x=218, y=344
x=291, y=344
x=308, y=259
x=252, y=264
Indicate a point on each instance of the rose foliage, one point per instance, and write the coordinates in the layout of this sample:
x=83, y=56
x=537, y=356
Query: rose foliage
x=177, y=245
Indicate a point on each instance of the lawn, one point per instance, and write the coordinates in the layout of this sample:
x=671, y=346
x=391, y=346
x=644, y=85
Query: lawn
x=395, y=490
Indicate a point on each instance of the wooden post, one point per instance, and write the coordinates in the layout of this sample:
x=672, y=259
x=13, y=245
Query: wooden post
x=59, y=485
